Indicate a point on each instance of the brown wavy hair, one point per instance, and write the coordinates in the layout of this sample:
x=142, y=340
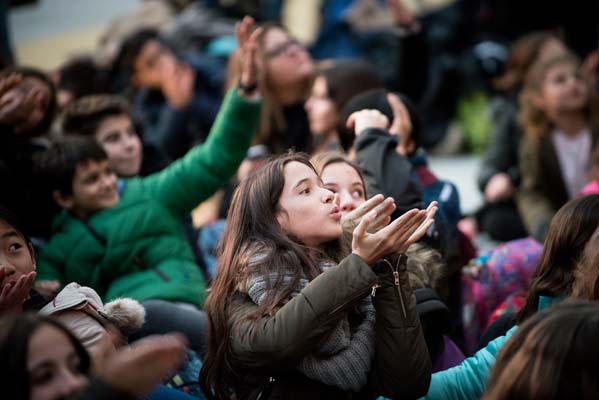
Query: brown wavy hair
x=569, y=232
x=586, y=285
x=252, y=228
x=522, y=55
x=552, y=356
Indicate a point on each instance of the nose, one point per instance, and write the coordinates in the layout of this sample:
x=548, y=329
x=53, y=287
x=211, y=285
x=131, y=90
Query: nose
x=109, y=179
x=346, y=202
x=130, y=142
x=9, y=269
x=327, y=196
x=71, y=383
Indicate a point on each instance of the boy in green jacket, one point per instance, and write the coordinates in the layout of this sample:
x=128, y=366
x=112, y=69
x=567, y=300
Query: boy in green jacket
x=125, y=237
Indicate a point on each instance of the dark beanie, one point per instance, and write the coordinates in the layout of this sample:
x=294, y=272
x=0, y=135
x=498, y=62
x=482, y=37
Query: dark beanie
x=376, y=99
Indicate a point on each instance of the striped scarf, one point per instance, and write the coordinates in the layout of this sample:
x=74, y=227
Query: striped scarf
x=344, y=356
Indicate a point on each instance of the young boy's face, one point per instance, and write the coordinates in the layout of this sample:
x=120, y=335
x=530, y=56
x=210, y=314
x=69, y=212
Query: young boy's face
x=120, y=141
x=16, y=255
x=94, y=189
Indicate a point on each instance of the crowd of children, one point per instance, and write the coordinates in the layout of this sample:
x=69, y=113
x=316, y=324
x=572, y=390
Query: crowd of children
x=338, y=265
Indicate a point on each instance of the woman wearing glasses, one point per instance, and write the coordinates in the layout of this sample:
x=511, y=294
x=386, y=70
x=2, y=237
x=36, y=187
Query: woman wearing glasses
x=286, y=70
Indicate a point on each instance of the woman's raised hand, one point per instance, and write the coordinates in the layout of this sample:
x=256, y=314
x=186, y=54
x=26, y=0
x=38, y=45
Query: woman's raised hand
x=394, y=238
x=383, y=207
x=247, y=42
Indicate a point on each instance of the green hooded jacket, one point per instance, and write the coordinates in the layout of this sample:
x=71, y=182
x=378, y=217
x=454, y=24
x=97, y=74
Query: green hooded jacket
x=138, y=248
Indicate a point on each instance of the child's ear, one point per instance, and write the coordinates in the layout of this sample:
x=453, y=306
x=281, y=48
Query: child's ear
x=32, y=254
x=282, y=219
x=65, y=201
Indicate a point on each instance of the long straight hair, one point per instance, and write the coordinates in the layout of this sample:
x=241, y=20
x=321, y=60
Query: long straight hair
x=569, y=231
x=586, y=285
x=252, y=229
x=272, y=119
x=552, y=356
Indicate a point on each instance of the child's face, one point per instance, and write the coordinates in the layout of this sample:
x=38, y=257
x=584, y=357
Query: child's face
x=16, y=255
x=563, y=90
x=308, y=211
x=53, y=365
x=94, y=189
x=120, y=141
x=343, y=179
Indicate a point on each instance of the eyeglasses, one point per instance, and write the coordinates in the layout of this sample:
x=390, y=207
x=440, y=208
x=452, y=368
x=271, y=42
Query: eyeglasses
x=284, y=48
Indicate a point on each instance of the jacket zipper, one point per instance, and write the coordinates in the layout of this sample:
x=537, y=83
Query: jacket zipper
x=351, y=300
x=397, y=286
x=374, y=288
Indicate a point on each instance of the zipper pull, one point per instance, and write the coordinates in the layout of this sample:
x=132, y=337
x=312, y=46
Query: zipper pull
x=396, y=276
x=374, y=288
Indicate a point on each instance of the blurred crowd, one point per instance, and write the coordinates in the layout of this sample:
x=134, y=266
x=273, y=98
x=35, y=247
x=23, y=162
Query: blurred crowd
x=232, y=199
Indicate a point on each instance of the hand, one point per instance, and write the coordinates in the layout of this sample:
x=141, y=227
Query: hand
x=247, y=42
x=48, y=289
x=364, y=119
x=431, y=210
x=394, y=238
x=401, y=125
x=138, y=369
x=14, y=102
x=14, y=294
x=178, y=82
x=383, y=208
x=402, y=16
x=499, y=188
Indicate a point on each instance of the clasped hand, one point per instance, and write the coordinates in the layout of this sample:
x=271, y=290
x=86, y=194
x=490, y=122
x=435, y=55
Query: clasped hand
x=372, y=245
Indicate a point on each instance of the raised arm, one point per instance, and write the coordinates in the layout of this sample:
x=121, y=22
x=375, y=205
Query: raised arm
x=206, y=168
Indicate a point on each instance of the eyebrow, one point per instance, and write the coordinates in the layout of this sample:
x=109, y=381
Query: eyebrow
x=41, y=365
x=300, y=182
x=11, y=233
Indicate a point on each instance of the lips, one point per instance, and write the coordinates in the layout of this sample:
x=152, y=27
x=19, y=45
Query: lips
x=335, y=213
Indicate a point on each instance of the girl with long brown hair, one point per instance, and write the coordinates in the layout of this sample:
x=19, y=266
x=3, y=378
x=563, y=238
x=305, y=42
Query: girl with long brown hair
x=552, y=356
x=570, y=230
x=561, y=340
x=559, y=134
x=290, y=312
x=499, y=175
x=285, y=70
